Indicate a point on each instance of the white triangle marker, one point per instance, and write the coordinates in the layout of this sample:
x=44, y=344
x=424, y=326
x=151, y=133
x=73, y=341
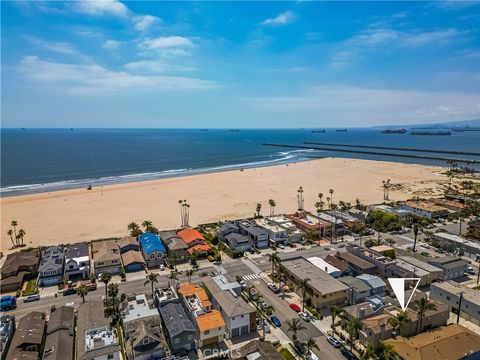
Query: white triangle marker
x=398, y=287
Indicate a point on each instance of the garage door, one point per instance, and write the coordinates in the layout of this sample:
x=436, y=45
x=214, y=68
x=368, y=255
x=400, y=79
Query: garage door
x=235, y=332
x=244, y=330
x=212, y=340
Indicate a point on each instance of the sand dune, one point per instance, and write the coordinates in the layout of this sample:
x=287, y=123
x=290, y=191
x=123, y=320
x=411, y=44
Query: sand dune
x=81, y=215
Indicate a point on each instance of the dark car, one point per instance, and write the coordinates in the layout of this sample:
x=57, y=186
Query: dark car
x=347, y=354
x=69, y=291
x=276, y=321
x=299, y=347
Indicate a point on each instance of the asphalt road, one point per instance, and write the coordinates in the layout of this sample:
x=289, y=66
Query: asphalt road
x=284, y=313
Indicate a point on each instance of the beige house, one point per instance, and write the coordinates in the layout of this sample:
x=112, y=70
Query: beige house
x=106, y=257
x=322, y=290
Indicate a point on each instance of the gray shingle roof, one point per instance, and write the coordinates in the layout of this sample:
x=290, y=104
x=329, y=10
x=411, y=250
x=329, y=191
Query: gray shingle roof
x=372, y=280
x=356, y=284
x=176, y=319
x=76, y=250
x=59, y=341
x=52, y=258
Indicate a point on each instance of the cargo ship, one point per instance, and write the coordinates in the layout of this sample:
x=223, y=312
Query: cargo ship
x=318, y=131
x=394, y=131
x=341, y=130
x=435, y=133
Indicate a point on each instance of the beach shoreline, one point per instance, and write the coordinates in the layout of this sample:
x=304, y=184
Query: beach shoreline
x=75, y=215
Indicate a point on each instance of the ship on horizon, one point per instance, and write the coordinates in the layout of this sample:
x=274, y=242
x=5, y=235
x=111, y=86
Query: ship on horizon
x=394, y=131
x=318, y=131
x=434, y=133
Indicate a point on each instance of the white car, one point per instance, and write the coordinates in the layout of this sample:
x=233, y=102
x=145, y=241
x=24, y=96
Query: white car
x=273, y=287
x=425, y=245
x=304, y=316
x=162, y=267
x=333, y=341
x=281, y=246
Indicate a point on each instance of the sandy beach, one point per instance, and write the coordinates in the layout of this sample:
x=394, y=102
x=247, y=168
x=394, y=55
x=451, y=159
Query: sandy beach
x=81, y=215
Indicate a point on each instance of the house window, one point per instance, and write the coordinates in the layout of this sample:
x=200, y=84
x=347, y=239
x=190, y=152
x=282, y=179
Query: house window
x=145, y=341
x=190, y=337
x=233, y=318
x=176, y=340
x=110, y=356
x=206, y=332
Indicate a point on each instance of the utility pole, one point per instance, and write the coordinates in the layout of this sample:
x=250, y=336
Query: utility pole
x=459, y=306
x=478, y=275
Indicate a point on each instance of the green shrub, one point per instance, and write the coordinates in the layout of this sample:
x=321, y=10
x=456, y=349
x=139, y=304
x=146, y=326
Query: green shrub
x=210, y=258
x=286, y=354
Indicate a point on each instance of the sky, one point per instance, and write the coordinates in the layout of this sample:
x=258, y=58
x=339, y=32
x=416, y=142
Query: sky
x=238, y=64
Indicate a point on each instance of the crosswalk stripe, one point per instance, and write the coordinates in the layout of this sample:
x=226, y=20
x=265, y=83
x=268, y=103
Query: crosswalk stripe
x=251, y=277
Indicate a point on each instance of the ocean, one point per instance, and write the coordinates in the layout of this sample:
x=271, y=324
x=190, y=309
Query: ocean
x=41, y=160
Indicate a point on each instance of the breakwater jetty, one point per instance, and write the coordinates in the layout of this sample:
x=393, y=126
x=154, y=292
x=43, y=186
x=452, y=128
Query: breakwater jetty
x=395, y=148
x=351, y=151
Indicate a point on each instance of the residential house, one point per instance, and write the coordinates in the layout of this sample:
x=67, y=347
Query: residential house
x=239, y=316
x=106, y=257
x=381, y=262
x=359, y=290
x=176, y=247
x=454, y=206
x=128, y=243
x=457, y=244
x=452, y=267
x=60, y=334
x=29, y=338
x=226, y=229
x=17, y=268
x=50, y=270
x=144, y=338
x=434, y=273
x=337, y=224
x=325, y=266
x=323, y=290
x=294, y=235
x=258, y=234
x=256, y=349
x=153, y=249
x=377, y=328
x=359, y=265
x=425, y=209
x=132, y=261
x=7, y=329
x=178, y=326
x=277, y=235
x=195, y=241
x=350, y=222
x=409, y=270
x=310, y=223
x=209, y=321
x=373, y=305
x=96, y=339
x=449, y=292
x=77, y=262
x=340, y=264
x=237, y=242
x=444, y=343
x=376, y=284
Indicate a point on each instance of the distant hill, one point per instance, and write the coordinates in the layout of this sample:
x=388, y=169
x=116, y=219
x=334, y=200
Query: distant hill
x=444, y=125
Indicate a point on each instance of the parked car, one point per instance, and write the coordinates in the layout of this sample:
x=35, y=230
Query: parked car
x=30, y=298
x=91, y=286
x=8, y=302
x=347, y=354
x=304, y=316
x=162, y=267
x=243, y=284
x=426, y=254
x=333, y=341
x=440, y=251
x=281, y=246
x=425, y=245
x=299, y=347
x=276, y=321
x=252, y=251
x=69, y=291
x=273, y=287
x=264, y=304
x=295, y=307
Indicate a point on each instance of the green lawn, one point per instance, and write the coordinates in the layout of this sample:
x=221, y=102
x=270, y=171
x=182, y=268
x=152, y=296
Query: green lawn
x=287, y=355
x=31, y=288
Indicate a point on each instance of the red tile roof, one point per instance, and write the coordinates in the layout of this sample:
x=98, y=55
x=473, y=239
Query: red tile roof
x=190, y=235
x=199, y=247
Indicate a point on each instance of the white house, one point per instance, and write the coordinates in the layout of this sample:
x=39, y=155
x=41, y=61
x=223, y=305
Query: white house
x=77, y=262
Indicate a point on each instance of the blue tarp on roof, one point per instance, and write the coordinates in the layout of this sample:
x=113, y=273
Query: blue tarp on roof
x=151, y=242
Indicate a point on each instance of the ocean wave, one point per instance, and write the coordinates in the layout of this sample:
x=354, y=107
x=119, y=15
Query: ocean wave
x=277, y=158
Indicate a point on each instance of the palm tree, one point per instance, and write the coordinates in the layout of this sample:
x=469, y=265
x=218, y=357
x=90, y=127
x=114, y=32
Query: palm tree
x=320, y=203
x=10, y=233
x=274, y=259
x=190, y=273
x=172, y=276
x=367, y=354
x=152, y=278
x=21, y=234
x=258, y=208
x=303, y=286
x=399, y=321
x=335, y=311
x=134, y=229
x=112, y=290
x=300, y=198
x=82, y=291
x=279, y=276
x=424, y=305
x=105, y=277
x=294, y=326
x=14, y=223
x=388, y=352
x=146, y=224
x=415, y=233
x=311, y=344
x=272, y=204
x=353, y=327
x=194, y=257
x=331, y=195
